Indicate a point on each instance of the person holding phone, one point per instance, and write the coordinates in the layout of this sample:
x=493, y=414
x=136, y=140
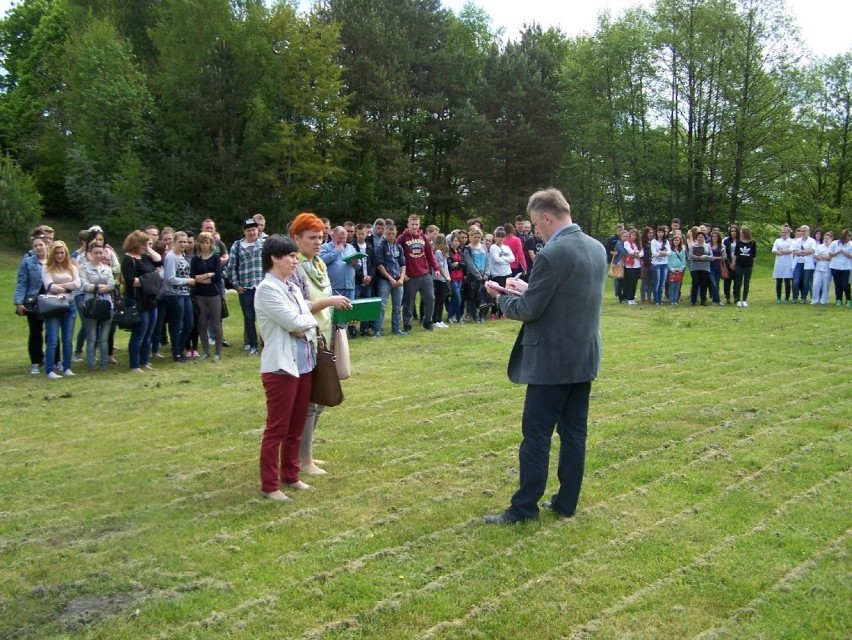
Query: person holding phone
x=557, y=354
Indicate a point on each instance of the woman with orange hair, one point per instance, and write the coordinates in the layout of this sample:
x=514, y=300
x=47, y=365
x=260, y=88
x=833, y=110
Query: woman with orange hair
x=312, y=279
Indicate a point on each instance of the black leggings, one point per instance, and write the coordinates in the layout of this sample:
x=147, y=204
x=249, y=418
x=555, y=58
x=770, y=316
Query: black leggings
x=35, y=344
x=700, y=285
x=628, y=287
x=742, y=278
x=728, y=282
x=841, y=284
x=440, y=297
x=788, y=286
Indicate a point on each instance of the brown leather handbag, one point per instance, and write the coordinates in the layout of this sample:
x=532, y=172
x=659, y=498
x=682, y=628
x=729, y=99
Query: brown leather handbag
x=326, y=389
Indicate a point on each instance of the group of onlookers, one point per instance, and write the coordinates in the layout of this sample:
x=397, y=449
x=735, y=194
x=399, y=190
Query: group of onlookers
x=655, y=261
x=175, y=277
x=173, y=282
x=807, y=265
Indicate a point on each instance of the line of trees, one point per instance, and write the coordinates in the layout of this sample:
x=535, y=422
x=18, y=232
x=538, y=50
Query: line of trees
x=172, y=110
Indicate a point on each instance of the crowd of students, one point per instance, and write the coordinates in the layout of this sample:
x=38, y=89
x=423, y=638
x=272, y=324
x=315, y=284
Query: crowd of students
x=655, y=261
x=174, y=283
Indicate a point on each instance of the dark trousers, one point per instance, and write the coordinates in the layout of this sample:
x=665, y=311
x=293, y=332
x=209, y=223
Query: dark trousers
x=700, y=286
x=628, y=287
x=423, y=284
x=566, y=407
x=788, y=284
x=35, y=344
x=841, y=285
x=249, y=328
x=441, y=289
x=728, y=282
x=742, y=278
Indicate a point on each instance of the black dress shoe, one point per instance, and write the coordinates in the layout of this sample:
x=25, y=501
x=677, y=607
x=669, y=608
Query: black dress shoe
x=547, y=504
x=504, y=518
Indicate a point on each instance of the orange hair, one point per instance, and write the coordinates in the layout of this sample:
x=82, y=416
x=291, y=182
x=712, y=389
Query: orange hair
x=305, y=222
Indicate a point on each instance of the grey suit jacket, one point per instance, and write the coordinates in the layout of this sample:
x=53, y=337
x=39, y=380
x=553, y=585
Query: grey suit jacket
x=560, y=340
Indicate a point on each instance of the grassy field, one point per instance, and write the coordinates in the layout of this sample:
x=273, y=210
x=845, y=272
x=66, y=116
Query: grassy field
x=716, y=501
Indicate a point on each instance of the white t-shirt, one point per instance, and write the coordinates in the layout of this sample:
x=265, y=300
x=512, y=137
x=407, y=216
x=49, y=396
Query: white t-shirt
x=821, y=250
x=840, y=262
x=656, y=247
x=802, y=245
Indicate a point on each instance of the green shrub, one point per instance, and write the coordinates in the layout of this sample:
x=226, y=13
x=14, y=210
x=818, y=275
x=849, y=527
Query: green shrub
x=20, y=201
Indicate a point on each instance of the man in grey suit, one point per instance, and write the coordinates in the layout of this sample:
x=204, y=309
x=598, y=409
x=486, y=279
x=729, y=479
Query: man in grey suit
x=557, y=355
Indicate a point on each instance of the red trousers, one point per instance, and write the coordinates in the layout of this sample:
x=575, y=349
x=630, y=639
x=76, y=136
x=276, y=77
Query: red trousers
x=286, y=410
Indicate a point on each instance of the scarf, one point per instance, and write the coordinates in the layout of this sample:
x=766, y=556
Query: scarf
x=315, y=269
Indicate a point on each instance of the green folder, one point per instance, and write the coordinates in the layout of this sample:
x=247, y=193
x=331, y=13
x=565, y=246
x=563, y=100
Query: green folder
x=363, y=310
x=354, y=256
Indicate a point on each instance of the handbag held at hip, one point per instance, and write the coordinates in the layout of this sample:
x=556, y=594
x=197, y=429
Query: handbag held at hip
x=615, y=271
x=53, y=306
x=97, y=308
x=326, y=389
x=125, y=317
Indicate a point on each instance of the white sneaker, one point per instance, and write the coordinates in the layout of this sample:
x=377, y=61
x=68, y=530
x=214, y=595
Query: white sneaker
x=631, y=302
x=302, y=486
x=739, y=304
x=441, y=325
x=33, y=369
x=745, y=304
x=53, y=376
x=68, y=373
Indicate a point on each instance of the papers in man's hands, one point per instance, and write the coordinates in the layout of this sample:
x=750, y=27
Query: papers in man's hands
x=496, y=287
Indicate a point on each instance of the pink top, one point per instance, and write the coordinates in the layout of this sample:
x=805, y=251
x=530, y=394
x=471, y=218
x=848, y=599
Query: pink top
x=517, y=247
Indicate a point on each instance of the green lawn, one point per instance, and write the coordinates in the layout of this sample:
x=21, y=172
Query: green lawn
x=716, y=501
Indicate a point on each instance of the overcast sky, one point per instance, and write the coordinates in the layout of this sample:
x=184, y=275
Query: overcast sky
x=826, y=25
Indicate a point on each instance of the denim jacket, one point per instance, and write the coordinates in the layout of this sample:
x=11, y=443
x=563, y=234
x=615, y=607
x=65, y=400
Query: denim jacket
x=29, y=278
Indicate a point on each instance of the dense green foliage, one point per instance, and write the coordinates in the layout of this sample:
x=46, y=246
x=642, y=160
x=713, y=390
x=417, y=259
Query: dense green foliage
x=168, y=111
x=20, y=202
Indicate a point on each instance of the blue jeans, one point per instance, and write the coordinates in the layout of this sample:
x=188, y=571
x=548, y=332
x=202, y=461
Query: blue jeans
x=454, y=309
x=660, y=273
x=52, y=327
x=181, y=322
x=674, y=291
x=802, y=279
x=139, y=347
x=249, y=328
x=715, y=275
x=97, y=332
x=387, y=289
x=159, y=325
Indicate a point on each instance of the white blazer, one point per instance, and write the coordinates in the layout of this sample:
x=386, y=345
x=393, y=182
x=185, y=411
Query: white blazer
x=281, y=310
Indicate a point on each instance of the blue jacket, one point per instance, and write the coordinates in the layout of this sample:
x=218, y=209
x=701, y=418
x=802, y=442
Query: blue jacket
x=340, y=273
x=29, y=278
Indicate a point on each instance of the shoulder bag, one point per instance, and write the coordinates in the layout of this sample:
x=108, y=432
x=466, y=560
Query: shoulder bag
x=97, y=308
x=615, y=271
x=340, y=349
x=326, y=389
x=53, y=306
x=125, y=317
